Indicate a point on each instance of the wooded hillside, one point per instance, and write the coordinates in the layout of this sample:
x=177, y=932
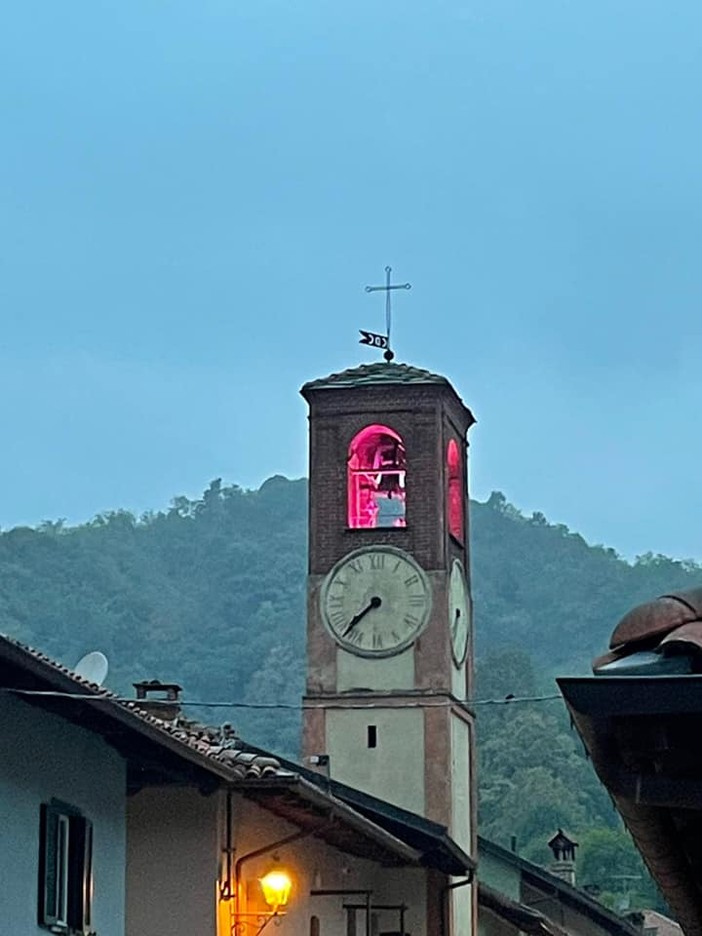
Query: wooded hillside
x=210, y=593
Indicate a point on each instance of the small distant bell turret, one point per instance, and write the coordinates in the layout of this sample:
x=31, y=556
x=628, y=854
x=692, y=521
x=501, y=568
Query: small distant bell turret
x=563, y=849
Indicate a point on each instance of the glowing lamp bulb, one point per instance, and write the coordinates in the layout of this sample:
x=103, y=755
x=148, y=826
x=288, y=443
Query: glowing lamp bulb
x=276, y=886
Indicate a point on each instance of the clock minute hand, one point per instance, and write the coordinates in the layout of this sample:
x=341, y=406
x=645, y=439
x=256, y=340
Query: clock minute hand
x=375, y=602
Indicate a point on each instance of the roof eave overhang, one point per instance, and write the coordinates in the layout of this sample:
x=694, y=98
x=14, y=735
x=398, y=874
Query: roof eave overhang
x=327, y=814
x=632, y=695
x=440, y=850
x=430, y=839
x=600, y=706
x=316, y=389
x=525, y=919
x=606, y=710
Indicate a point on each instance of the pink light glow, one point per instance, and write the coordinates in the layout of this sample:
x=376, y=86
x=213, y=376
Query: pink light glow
x=454, y=491
x=376, y=479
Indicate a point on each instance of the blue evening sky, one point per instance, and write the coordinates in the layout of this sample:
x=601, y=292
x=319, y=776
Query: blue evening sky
x=193, y=195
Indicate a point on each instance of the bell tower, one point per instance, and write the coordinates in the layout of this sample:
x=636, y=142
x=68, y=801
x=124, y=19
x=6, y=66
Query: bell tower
x=389, y=628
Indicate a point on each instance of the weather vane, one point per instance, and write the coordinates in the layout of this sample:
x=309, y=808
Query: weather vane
x=383, y=341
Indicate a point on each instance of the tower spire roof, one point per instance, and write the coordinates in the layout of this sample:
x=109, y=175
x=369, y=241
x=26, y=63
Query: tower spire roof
x=377, y=373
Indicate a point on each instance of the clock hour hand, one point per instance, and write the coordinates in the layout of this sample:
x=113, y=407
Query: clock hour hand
x=375, y=602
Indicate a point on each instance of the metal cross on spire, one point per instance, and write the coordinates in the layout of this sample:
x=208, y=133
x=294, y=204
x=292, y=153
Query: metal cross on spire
x=387, y=288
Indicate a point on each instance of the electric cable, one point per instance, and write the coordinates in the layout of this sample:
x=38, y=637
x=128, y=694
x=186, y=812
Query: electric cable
x=291, y=706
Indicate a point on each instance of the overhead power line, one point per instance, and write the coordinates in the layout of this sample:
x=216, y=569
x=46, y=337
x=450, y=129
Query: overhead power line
x=292, y=706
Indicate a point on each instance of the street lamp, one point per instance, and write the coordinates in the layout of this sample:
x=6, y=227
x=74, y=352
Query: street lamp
x=276, y=886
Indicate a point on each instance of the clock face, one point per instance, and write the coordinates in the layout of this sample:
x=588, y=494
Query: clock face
x=459, y=613
x=376, y=601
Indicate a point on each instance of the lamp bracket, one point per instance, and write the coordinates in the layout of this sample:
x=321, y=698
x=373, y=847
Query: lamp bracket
x=251, y=924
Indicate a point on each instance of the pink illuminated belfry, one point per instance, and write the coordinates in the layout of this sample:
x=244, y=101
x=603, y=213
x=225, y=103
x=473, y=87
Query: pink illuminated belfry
x=376, y=479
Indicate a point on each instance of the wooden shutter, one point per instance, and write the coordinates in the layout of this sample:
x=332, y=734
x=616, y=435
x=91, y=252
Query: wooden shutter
x=48, y=866
x=80, y=873
x=88, y=876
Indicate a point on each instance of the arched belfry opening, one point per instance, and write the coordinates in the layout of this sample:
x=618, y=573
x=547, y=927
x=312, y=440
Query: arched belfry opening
x=454, y=492
x=376, y=479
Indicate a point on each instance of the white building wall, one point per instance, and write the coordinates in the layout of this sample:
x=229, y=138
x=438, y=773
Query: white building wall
x=173, y=852
x=43, y=756
x=316, y=866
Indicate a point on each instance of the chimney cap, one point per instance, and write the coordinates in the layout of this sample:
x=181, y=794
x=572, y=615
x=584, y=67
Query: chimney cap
x=147, y=686
x=561, y=839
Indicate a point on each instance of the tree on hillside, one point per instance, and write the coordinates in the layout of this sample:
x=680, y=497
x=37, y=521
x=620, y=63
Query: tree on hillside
x=609, y=863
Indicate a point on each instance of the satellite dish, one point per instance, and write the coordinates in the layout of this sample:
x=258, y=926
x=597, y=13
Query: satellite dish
x=93, y=667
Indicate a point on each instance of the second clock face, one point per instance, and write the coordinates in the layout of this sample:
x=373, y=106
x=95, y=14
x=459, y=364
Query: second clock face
x=376, y=601
x=459, y=613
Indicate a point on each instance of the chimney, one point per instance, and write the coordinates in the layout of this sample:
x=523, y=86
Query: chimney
x=161, y=700
x=563, y=850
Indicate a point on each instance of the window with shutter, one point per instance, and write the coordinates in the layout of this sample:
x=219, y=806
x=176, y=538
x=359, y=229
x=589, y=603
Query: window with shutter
x=65, y=869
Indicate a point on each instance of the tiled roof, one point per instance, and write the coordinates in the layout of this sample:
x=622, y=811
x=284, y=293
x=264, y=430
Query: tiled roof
x=58, y=667
x=217, y=744
x=379, y=373
x=670, y=623
x=223, y=745
x=658, y=617
x=525, y=919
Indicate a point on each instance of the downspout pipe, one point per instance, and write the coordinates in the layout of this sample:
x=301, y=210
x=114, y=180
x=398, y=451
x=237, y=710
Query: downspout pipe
x=444, y=898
